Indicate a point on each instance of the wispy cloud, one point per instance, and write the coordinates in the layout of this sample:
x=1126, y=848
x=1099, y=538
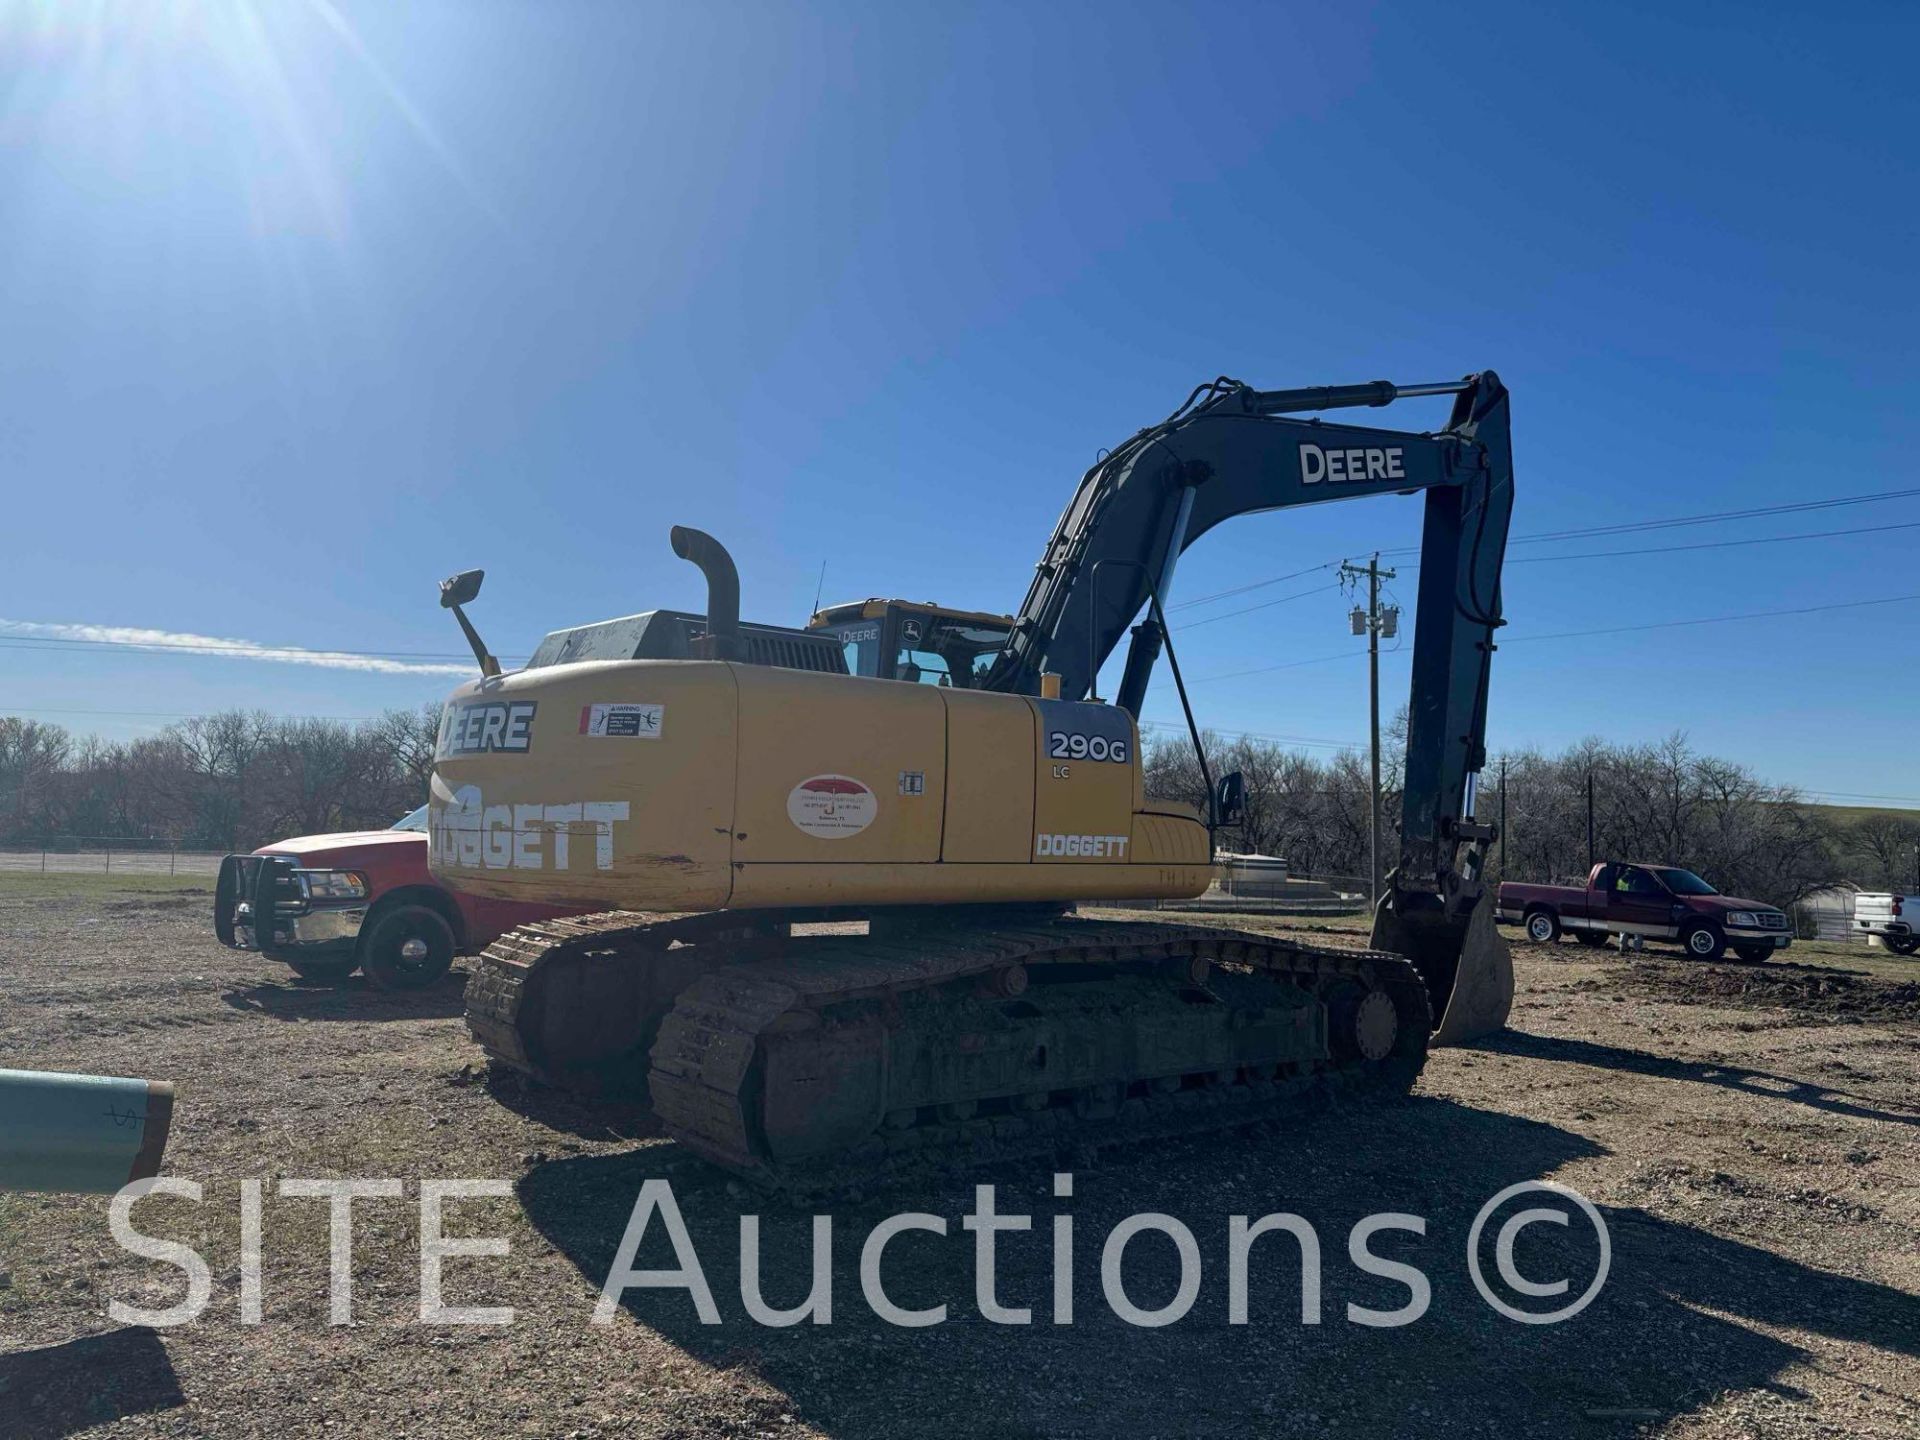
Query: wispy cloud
x=131, y=637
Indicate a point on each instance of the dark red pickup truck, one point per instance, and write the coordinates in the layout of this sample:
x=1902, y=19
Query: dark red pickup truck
x=363, y=899
x=1659, y=902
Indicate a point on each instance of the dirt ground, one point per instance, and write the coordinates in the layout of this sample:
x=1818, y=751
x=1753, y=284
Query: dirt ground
x=1751, y=1138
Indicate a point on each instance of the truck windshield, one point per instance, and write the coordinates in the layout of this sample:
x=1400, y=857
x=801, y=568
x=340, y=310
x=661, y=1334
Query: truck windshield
x=1685, y=882
x=416, y=820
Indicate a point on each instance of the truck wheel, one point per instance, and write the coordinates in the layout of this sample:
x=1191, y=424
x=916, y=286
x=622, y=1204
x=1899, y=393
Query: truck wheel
x=408, y=948
x=329, y=971
x=1593, y=939
x=1902, y=945
x=1704, y=941
x=1543, y=926
x=1753, y=954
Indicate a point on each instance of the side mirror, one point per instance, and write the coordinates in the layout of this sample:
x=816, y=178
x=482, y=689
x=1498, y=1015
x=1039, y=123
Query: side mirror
x=462, y=589
x=1230, y=799
x=458, y=591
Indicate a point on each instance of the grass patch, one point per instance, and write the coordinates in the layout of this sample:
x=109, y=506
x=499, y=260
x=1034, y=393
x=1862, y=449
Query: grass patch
x=31, y=885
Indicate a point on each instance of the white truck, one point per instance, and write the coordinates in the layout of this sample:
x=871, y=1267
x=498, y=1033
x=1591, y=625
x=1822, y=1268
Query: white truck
x=1894, y=918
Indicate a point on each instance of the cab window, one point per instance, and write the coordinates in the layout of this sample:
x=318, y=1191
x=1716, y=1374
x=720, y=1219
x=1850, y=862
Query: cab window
x=945, y=650
x=1637, y=882
x=860, y=643
x=922, y=666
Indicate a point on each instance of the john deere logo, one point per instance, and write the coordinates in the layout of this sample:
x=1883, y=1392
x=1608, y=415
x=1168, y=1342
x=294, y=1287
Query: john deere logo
x=486, y=725
x=1361, y=463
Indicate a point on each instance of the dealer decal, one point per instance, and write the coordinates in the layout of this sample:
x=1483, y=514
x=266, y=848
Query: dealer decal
x=467, y=833
x=832, y=807
x=486, y=725
x=632, y=722
x=1081, y=847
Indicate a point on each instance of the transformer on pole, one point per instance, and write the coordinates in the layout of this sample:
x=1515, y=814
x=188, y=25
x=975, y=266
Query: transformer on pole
x=1373, y=622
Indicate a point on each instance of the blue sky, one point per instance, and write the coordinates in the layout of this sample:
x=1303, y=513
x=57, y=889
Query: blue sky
x=307, y=307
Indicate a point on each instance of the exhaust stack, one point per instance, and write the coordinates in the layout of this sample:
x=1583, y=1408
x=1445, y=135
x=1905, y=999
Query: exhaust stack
x=723, y=640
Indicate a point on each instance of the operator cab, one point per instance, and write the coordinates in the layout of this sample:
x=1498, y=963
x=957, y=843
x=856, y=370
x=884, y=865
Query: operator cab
x=902, y=640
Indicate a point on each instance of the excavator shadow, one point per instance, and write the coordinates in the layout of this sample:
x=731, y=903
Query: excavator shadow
x=61, y=1390
x=596, y=1118
x=351, y=999
x=1732, y=1077
x=1646, y=1350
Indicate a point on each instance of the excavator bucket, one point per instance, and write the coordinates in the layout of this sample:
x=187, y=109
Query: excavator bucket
x=1468, y=969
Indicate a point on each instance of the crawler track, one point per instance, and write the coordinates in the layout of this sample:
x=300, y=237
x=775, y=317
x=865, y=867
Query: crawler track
x=815, y=1065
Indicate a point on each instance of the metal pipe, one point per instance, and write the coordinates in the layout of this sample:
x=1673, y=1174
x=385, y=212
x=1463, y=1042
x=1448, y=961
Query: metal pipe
x=724, y=640
x=80, y=1134
x=1177, y=537
x=1148, y=636
x=1335, y=397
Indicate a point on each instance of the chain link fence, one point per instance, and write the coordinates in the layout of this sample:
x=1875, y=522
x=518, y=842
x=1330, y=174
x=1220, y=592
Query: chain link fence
x=109, y=855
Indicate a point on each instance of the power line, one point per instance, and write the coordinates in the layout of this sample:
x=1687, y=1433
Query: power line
x=1256, y=585
x=1711, y=544
x=1674, y=522
x=1605, y=630
x=83, y=644
x=1311, y=742
x=1714, y=619
x=1285, y=665
x=1263, y=605
x=1699, y=545
x=1633, y=527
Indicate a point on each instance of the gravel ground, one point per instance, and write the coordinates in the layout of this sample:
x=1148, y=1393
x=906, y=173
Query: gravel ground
x=1748, y=1136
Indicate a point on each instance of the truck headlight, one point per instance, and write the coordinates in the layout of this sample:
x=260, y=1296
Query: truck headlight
x=1743, y=917
x=333, y=884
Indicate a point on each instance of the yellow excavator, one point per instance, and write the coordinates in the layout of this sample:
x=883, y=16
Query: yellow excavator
x=832, y=870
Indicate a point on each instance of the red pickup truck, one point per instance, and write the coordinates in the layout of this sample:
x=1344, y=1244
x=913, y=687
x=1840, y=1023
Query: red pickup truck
x=358, y=900
x=1660, y=902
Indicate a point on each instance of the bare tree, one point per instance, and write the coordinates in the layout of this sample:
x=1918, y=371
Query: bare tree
x=32, y=755
x=1882, y=850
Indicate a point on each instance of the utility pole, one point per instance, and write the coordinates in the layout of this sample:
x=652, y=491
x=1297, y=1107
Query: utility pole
x=1373, y=622
x=1590, y=859
x=1505, y=874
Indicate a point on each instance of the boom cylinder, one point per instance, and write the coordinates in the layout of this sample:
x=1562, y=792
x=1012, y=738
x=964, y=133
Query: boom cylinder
x=1337, y=397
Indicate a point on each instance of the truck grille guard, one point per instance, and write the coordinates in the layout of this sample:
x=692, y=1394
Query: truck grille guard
x=267, y=886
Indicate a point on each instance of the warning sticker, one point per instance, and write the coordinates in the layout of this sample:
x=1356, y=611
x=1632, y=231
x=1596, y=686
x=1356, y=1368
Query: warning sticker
x=632, y=722
x=832, y=807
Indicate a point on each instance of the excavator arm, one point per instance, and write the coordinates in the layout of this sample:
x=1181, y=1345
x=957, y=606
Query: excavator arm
x=1233, y=450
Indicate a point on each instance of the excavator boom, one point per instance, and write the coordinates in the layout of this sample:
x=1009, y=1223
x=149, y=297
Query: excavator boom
x=1233, y=450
